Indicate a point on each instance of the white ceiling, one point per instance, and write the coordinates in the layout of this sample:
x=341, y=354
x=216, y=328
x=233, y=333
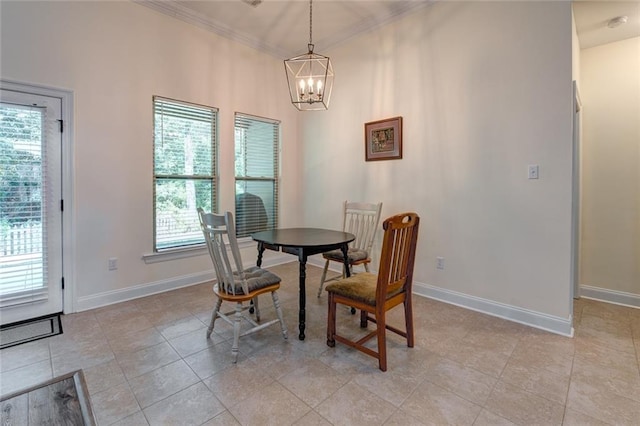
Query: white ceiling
x=281, y=27
x=592, y=18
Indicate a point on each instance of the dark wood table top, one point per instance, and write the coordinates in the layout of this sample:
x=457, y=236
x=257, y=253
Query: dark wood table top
x=303, y=237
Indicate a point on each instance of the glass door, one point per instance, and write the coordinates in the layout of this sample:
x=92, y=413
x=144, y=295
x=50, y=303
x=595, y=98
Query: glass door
x=30, y=206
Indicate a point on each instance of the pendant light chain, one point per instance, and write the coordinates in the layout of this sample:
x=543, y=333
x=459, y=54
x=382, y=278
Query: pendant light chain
x=310, y=22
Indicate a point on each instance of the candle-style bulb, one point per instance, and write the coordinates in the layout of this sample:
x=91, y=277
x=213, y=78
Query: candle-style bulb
x=301, y=87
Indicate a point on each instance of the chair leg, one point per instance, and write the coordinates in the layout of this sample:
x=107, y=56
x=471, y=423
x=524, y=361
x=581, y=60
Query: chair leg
x=331, y=322
x=214, y=315
x=363, y=318
x=236, y=331
x=324, y=277
x=276, y=304
x=256, y=308
x=382, y=341
x=353, y=310
x=366, y=267
x=408, y=320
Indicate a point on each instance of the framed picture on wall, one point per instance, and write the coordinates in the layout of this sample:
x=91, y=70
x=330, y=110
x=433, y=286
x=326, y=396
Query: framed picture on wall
x=383, y=139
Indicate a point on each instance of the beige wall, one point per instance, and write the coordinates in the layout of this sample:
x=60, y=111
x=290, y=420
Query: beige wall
x=485, y=90
x=115, y=56
x=575, y=51
x=610, y=90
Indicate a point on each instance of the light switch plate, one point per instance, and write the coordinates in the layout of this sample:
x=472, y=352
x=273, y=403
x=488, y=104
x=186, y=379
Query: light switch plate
x=533, y=171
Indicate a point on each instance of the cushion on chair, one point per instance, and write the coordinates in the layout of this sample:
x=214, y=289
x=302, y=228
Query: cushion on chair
x=257, y=278
x=353, y=254
x=360, y=287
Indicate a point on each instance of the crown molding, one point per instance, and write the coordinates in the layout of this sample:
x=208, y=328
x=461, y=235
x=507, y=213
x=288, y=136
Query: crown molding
x=174, y=9
x=400, y=10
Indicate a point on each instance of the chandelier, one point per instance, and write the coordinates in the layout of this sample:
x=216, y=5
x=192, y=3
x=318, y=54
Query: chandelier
x=309, y=76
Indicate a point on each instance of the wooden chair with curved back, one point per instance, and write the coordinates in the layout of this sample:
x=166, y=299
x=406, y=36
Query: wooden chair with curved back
x=361, y=220
x=375, y=294
x=235, y=284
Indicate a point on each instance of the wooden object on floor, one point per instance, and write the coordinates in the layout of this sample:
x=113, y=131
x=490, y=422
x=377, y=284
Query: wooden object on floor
x=235, y=284
x=361, y=220
x=374, y=295
x=63, y=400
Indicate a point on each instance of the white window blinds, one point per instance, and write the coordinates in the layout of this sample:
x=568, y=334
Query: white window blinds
x=23, y=191
x=256, y=166
x=185, y=175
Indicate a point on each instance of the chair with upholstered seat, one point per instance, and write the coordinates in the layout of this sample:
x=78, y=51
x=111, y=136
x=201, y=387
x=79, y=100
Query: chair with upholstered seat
x=361, y=220
x=374, y=294
x=235, y=284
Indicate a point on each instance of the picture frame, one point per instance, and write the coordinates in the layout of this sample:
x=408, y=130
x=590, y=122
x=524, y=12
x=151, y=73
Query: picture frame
x=383, y=139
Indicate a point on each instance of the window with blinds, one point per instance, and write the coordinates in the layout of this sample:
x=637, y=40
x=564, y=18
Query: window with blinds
x=256, y=167
x=185, y=171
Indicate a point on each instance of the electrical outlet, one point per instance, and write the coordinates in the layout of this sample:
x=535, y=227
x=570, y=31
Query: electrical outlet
x=113, y=263
x=440, y=262
x=533, y=171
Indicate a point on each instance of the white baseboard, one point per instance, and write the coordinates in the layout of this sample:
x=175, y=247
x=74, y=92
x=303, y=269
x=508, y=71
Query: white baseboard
x=610, y=296
x=148, y=289
x=141, y=290
x=553, y=324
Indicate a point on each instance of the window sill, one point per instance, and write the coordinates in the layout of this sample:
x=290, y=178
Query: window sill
x=174, y=254
x=183, y=253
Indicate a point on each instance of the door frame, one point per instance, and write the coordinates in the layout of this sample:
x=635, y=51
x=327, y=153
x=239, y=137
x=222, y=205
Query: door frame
x=576, y=195
x=67, y=159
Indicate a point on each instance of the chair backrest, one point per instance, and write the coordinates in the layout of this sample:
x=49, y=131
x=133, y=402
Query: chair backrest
x=216, y=229
x=251, y=215
x=395, y=273
x=361, y=220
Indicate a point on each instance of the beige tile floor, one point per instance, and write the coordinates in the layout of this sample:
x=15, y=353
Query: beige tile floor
x=147, y=362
